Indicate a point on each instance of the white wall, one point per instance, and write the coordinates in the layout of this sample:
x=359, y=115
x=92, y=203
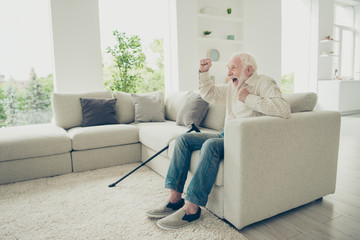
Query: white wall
x=326, y=27
x=357, y=42
x=262, y=35
x=184, y=52
x=76, y=45
x=172, y=83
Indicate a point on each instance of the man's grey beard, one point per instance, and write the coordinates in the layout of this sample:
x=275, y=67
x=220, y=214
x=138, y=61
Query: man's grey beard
x=241, y=80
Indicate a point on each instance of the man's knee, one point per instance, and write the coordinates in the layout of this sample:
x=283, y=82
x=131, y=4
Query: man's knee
x=213, y=145
x=210, y=144
x=183, y=138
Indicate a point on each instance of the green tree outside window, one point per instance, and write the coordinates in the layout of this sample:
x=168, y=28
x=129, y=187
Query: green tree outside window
x=32, y=105
x=128, y=62
x=287, y=83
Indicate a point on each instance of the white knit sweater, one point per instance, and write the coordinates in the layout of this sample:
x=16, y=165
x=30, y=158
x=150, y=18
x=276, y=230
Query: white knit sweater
x=264, y=99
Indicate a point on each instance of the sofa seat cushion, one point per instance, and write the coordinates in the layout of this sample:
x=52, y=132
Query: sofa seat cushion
x=84, y=138
x=33, y=141
x=157, y=135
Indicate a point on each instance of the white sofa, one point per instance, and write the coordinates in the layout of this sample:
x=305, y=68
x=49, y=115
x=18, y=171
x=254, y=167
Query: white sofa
x=271, y=164
x=33, y=151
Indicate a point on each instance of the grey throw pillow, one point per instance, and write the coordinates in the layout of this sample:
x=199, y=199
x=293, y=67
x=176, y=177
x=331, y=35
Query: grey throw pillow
x=301, y=102
x=192, y=110
x=149, y=107
x=98, y=111
x=125, y=110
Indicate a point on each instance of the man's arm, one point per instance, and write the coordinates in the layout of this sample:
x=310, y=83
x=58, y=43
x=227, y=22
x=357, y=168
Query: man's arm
x=208, y=90
x=269, y=101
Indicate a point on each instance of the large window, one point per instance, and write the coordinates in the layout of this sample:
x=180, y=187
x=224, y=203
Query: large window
x=148, y=22
x=295, y=44
x=344, y=33
x=25, y=62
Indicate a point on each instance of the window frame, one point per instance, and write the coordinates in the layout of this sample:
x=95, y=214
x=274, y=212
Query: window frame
x=341, y=29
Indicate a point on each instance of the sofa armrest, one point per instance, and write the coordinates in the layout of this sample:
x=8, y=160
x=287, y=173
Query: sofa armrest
x=274, y=164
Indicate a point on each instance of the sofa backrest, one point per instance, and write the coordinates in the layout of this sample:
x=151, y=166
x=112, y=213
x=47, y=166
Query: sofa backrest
x=67, y=108
x=68, y=114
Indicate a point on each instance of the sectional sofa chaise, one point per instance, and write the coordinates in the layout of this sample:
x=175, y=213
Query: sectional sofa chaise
x=271, y=164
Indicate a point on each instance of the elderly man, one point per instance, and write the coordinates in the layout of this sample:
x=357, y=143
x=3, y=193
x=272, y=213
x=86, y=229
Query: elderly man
x=247, y=94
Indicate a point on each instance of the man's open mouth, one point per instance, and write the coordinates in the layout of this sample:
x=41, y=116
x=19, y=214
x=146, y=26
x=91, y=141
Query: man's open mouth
x=235, y=81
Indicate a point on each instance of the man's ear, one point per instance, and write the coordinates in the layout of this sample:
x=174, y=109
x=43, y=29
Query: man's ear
x=248, y=71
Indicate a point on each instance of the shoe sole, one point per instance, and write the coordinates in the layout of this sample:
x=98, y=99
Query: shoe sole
x=158, y=215
x=174, y=228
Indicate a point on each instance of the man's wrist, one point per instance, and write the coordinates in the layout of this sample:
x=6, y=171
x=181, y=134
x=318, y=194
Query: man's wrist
x=251, y=100
x=204, y=77
x=243, y=98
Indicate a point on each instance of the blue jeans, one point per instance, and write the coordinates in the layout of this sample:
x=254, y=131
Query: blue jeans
x=211, y=148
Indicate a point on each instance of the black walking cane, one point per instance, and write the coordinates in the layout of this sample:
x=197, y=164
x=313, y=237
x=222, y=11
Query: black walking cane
x=193, y=128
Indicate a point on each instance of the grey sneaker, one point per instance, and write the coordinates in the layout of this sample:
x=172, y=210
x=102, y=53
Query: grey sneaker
x=178, y=219
x=165, y=209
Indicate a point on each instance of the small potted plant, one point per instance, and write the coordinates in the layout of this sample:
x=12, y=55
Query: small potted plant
x=207, y=33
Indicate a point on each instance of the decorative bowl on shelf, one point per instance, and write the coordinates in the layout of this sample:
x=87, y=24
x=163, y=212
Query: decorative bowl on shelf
x=209, y=11
x=230, y=37
x=214, y=55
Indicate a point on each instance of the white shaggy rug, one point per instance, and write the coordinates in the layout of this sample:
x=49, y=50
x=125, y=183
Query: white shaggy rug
x=81, y=206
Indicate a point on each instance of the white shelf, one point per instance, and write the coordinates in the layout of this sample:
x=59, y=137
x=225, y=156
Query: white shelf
x=220, y=40
x=212, y=16
x=222, y=18
x=329, y=41
x=329, y=55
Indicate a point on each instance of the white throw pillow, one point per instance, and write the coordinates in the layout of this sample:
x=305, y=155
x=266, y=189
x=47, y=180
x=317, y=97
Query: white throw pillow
x=125, y=110
x=173, y=102
x=149, y=107
x=215, y=117
x=301, y=102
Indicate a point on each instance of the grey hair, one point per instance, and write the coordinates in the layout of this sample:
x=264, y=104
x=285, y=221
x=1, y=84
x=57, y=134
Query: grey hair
x=246, y=59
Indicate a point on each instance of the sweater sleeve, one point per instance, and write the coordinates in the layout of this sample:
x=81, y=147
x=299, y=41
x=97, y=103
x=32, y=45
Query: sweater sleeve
x=209, y=91
x=270, y=101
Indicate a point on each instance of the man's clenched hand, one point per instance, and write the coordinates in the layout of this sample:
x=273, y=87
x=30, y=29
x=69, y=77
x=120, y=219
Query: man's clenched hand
x=243, y=93
x=205, y=65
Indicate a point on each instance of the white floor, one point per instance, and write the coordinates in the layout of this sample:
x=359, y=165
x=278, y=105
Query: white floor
x=337, y=216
